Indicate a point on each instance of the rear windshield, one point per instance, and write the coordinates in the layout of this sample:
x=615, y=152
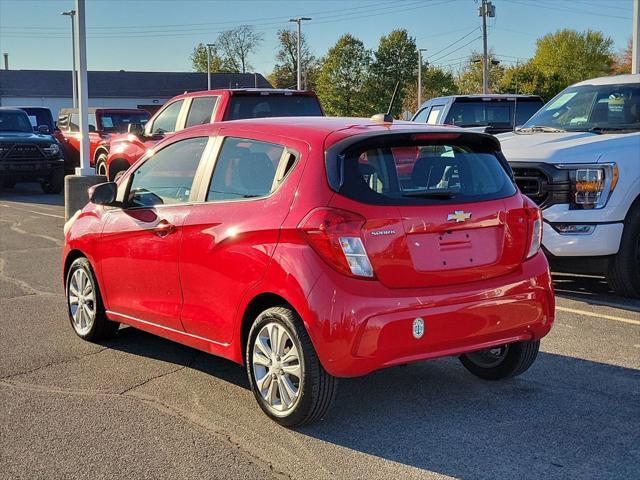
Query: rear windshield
x=497, y=113
x=260, y=106
x=118, y=122
x=423, y=173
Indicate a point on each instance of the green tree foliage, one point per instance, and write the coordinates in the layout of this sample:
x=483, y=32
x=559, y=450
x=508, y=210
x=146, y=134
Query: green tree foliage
x=342, y=78
x=395, y=60
x=529, y=79
x=236, y=45
x=470, y=76
x=435, y=83
x=284, y=73
x=573, y=56
x=199, y=59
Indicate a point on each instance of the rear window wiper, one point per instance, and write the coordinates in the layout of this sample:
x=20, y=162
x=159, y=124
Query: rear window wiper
x=431, y=193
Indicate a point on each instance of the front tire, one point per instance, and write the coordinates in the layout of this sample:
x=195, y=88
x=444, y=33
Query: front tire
x=285, y=374
x=623, y=272
x=503, y=361
x=84, y=304
x=55, y=183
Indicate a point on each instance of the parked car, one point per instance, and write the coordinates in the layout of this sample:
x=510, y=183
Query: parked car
x=494, y=113
x=103, y=123
x=202, y=107
x=28, y=155
x=293, y=246
x=39, y=117
x=579, y=159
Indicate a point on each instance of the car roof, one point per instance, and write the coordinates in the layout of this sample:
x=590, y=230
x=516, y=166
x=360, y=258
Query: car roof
x=12, y=109
x=247, y=91
x=610, y=80
x=304, y=128
x=480, y=96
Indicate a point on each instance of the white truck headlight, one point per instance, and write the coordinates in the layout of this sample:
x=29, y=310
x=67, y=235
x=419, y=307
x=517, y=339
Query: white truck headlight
x=592, y=185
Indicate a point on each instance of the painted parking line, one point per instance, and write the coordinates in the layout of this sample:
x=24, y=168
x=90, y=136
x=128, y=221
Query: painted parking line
x=598, y=315
x=32, y=211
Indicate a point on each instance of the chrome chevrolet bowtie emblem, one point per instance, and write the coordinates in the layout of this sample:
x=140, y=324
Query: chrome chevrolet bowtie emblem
x=458, y=216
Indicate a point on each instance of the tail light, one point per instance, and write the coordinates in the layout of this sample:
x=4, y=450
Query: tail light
x=535, y=230
x=335, y=236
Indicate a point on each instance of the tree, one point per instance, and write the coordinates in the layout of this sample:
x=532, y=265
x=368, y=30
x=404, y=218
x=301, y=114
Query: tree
x=236, y=45
x=285, y=73
x=527, y=78
x=199, y=59
x=470, y=76
x=622, y=61
x=342, y=78
x=395, y=60
x=435, y=83
x=573, y=56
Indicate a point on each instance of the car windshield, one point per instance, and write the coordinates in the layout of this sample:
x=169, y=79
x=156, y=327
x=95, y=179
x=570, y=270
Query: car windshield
x=498, y=113
x=118, y=122
x=12, y=121
x=40, y=116
x=590, y=108
x=260, y=106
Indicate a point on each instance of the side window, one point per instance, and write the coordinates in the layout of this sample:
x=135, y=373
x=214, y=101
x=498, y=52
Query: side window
x=434, y=115
x=422, y=115
x=166, y=121
x=167, y=177
x=245, y=169
x=201, y=110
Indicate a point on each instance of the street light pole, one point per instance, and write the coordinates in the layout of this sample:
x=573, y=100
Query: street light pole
x=83, y=91
x=420, y=50
x=486, y=10
x=74, y=80
x=209, y=45
x=635, y=43
x=299, y=21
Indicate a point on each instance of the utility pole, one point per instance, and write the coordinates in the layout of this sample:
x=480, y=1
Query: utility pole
x=635, y=45
x=487, y=9
x=209, y=45
x=299, y=21
x=71, y=14
x=420, y=50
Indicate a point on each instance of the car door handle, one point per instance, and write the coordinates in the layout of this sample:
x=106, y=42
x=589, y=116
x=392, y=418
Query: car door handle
x=164, y=228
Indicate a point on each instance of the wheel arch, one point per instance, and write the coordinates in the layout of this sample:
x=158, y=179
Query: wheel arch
x=72, y=256
x=99, y=151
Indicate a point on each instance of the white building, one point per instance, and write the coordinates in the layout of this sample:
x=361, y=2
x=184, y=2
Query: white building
x=148, y=90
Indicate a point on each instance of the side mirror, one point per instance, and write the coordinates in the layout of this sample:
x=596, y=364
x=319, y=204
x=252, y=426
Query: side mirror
x=135, y=129
x=103, y=193
x=44, y=129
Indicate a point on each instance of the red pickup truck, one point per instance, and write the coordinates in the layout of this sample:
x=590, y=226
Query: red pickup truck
x=103, y=123
x=204, y=107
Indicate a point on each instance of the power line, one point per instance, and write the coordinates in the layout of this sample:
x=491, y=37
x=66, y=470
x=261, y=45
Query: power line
x=453, y=43
x=457, y=49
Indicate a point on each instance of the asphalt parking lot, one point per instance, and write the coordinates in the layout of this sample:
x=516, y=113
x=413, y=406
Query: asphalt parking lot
x=143, y=407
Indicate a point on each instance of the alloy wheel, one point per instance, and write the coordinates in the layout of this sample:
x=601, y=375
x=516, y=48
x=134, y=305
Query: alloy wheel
x=277, y=368
x=82, y=301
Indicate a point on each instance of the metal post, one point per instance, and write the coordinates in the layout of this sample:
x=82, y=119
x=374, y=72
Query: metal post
x=420, y=50
x=74, y=76
x=635, y=43
x=6, y=61
x=299, y=21
x=209, y=45
x=83, y=93
x=485, y=59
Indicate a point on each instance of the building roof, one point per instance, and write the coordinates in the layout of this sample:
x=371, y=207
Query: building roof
x=122, y=84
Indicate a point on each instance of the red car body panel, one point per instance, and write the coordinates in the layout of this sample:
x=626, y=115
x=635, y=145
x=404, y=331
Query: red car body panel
x=128, y=149
x=224, y=257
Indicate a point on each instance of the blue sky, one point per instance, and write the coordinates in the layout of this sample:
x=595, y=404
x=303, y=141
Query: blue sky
x=159, y=35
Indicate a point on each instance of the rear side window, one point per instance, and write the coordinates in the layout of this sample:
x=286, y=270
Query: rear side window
x=421, y=116
x=245, y=169
x=434, y=115
x=423, y=173
x=201, y=110
x=260, y=106
x=167, y=177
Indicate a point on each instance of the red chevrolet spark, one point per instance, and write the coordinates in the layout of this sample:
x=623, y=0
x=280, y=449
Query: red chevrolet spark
x=297, y=248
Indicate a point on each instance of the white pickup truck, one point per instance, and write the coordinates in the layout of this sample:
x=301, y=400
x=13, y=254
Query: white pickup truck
x=578, y=158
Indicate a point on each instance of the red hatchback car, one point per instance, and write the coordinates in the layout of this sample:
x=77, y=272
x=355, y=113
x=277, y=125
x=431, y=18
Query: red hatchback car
x=296, y=248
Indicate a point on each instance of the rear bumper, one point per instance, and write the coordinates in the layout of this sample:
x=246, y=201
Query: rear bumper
x=365, y=326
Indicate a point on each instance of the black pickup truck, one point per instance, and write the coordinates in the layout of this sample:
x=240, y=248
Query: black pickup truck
x=26, y=155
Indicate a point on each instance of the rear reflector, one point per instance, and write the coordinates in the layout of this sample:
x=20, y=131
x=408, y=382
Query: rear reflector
x=535, y=227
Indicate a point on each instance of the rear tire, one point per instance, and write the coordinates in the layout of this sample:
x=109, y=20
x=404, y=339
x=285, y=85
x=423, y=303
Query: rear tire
x=623, y=272
x=55, y=183
x=503, y=361
x=84, y=304
x=307, y=394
